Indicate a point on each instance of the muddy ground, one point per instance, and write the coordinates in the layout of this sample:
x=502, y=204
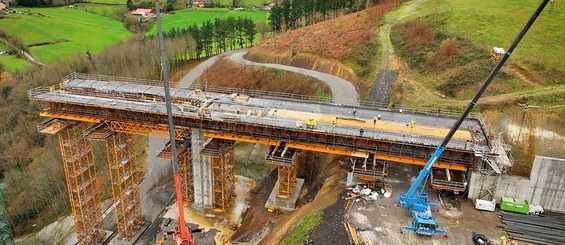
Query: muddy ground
x=380, y=221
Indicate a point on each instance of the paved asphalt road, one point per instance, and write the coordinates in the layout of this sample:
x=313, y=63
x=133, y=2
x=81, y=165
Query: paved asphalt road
x=342, y=90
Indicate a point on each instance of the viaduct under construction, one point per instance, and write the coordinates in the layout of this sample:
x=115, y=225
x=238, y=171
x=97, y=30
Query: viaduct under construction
x=208, y=121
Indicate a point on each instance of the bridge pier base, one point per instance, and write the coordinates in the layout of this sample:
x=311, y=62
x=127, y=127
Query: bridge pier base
x=201, y=171
x=287, y=188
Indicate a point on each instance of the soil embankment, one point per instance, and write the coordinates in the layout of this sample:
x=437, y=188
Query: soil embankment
x=346, y=46
x=225, y=73
x=302, y=60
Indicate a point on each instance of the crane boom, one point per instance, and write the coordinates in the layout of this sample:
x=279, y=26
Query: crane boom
x=183, y=236
x=419, y=202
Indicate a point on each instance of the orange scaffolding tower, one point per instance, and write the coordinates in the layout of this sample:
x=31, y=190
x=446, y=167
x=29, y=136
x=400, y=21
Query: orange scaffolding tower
x=185, y=166
x=124, y=179
x=222, y=160
x=82, y=184
x=286, y=160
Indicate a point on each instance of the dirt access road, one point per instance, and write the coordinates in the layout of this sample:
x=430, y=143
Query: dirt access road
x=343, y=91
x=382, y=87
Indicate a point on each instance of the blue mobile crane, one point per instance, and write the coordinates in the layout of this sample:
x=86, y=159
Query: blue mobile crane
x=418, y=202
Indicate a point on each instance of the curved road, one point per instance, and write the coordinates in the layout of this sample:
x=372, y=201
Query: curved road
x=342, y=90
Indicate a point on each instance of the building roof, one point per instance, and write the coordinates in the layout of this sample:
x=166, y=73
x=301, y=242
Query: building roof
x=142, y=11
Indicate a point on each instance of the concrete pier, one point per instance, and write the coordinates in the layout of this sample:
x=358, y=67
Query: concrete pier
x=545, y=187
x=201, y=171
x=284, y=204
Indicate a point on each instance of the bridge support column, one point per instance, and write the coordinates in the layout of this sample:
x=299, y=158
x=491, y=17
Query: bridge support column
x=82, y=184
x=201, y=171
x=124, y=179
x=222, y=164
x=287, y=188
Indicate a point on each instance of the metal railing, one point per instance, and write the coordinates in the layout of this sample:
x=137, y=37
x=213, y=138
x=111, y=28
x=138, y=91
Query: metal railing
x=107, y=78
x=329, y=101
x=257, y=93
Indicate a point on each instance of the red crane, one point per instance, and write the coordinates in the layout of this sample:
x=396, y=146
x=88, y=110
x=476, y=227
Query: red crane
x=182, y=235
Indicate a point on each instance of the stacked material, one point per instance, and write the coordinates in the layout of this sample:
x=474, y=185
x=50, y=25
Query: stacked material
x=548, y=228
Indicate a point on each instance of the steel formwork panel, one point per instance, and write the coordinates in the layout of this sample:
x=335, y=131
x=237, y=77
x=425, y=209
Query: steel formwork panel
x=124, y=178
x=82, y=184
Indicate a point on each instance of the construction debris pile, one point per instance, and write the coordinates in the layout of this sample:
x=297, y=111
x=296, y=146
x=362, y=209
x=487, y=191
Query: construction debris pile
x=364, y=193
x=548, y=228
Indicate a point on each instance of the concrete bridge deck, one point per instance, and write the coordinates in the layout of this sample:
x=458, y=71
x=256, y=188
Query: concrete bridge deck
x=266, y=117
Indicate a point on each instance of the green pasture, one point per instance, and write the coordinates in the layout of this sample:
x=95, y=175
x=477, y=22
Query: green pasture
x=496, y=24
x=244, y=3
x=189, y=17
x=71, y=31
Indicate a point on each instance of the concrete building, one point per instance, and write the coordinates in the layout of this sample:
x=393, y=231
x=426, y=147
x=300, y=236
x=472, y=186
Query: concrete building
x=545, y=186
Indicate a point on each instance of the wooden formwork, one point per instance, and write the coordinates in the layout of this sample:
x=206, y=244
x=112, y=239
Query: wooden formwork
x=124, y=178
x=82, y=184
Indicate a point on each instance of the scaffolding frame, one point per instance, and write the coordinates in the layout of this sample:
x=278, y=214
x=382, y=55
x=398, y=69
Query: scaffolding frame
x=369, y=169
x=82, y=183
x=184, y=151
x=124, y=177
x=222, y=160
x=286, y=160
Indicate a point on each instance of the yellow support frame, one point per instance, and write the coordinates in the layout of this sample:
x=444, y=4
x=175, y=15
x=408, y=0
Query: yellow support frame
x=223, y=179
x=82, y=183
x=124, y=177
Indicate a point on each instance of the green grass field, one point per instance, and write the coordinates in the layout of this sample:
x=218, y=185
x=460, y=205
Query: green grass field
x=496, y=23
x=107, y=1
x=244, y=3
x=12, y=63
x=73, y=30
x=189, y=17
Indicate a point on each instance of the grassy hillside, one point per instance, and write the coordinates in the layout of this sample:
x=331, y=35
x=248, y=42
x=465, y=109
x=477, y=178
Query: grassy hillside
x=244, y=3
x=446, y=45
x=12, y=63
x=107, y=1
x=346, y=46
x=496, y=23
x=66, y=31
x=189, y=17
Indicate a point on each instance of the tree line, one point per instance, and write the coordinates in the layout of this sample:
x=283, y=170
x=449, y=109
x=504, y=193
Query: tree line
x=214, y=37
x=292, y=14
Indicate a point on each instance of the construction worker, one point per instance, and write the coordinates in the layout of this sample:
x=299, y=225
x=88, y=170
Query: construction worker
x=412, y=122
x=375, y=121
x=379, y=116
x=526, y=107
x=361, y=132
x=238, y=111
x=354, y=111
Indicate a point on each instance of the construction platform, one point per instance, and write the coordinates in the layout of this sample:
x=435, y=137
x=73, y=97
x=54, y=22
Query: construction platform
x=126, y=104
